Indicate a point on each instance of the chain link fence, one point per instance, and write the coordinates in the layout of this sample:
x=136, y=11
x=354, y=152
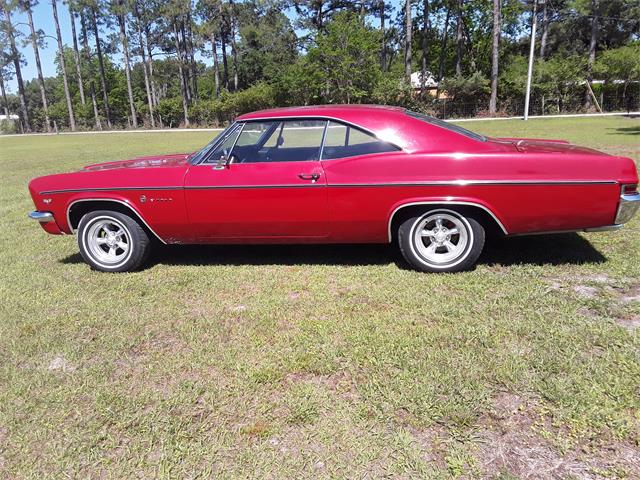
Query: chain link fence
x=607, y=101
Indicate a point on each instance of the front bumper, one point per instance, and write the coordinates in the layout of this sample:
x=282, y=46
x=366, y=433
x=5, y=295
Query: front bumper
x=42, y=217
x=47, y=222
x=629, y=205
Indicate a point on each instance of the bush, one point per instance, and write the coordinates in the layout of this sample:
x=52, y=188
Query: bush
x=229, y=105
x=392, y=90
x=170, y=109
x=471, y=89
x=8, y=126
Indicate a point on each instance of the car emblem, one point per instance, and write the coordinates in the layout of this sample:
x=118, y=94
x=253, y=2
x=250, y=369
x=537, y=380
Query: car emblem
x=143, y=198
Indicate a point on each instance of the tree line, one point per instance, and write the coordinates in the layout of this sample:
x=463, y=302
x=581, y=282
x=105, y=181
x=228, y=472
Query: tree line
x=184, y=62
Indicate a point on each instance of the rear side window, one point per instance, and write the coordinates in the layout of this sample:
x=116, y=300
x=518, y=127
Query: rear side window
x=346, y=141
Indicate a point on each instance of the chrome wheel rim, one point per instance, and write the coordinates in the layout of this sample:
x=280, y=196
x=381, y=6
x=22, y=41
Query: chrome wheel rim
x=442, y=239
x=108, y=241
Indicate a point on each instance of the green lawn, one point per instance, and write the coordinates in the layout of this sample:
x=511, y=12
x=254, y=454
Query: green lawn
x=323, y=362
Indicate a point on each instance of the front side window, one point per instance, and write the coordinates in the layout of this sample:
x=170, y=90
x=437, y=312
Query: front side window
x=225, y=145
x=207, y=150
x=346, y=141
x=279, y=141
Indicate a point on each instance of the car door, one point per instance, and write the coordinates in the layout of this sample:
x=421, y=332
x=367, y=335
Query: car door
x=270, y=186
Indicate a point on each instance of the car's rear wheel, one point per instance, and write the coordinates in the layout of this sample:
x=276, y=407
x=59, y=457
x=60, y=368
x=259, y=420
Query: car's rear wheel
x=441, y=240
x=112, y=241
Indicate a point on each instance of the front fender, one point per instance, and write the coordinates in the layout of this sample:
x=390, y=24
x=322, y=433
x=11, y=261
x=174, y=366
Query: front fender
x=64, y=220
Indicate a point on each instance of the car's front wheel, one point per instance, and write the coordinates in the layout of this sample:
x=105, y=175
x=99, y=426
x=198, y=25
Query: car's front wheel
x=441, y=240
x=112, y=241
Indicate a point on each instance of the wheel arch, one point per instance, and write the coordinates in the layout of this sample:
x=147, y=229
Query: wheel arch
x=79, y=207
x=489, y=219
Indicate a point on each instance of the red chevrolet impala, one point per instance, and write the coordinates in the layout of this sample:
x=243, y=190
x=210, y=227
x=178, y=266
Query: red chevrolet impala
x=339, y=174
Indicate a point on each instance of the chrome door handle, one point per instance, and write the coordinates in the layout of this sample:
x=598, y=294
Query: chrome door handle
x=309, y=176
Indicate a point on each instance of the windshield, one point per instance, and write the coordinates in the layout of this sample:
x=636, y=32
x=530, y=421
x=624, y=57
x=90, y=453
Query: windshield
x=198, y=156
x=449, y=126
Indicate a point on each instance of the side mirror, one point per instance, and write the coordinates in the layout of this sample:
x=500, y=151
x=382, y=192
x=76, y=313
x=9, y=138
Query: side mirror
x=223, y=161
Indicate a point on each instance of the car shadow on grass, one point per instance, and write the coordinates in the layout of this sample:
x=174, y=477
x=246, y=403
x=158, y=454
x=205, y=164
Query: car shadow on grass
x=635, y=130
x=558, y=249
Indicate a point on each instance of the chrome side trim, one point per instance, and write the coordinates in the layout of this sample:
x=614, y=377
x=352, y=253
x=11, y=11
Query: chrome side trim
x=437, y=183
x=227, y=187
x=42, y=217
x=126, y=204
x=442, y=202
x=606, y=228
x=106, y=189
x=462, y=183
x=629, y=205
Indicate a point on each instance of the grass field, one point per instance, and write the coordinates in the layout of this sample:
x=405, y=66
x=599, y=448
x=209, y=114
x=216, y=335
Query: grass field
x=322, y=362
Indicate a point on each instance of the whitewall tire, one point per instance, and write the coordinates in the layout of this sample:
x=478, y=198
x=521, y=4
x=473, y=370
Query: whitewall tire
x=441, y=240
x=112, y=241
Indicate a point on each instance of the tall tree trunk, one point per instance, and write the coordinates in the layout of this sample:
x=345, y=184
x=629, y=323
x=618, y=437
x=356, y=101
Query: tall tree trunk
x=216, y=67
x=443, y=45
x=154, y=90
x=147, y=84
x=76, y=55
x=545, y=30
x=92, y=87
x=225, y=63
x=192, y=60
x=184, y=56
x=425, y=46
x=319, y=19
x=459, y=38
x=407, y=40
x=234, y=48
x=36, y=53
x=183, y=86
x=383, y=49
x=122, y=22
x=15, y=56
x=495, y=56
x=593, y=42
x=63, y=67
x=5, y=103
x=103, y=78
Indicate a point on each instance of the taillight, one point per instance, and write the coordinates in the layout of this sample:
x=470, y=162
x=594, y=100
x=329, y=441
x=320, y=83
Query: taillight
x=630, y=189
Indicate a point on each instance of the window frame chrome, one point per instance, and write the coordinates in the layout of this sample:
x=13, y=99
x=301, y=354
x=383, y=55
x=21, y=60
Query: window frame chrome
x=323, y=118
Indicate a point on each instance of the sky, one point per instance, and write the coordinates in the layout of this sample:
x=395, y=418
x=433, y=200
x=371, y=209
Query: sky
x=42, y=18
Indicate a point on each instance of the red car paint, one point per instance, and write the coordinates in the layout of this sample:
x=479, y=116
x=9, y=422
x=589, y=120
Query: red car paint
x=527, y=185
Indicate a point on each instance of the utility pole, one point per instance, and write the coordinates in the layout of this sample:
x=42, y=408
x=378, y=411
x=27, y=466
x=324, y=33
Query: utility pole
x=532, y=49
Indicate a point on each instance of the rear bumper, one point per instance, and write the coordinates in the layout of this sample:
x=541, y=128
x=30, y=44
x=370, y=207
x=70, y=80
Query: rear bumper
x=629, y=205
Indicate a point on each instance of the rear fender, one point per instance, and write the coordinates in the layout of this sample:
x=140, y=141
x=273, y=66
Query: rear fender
x=449, y=201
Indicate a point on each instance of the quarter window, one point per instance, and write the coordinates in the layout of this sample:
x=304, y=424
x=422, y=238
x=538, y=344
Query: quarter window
x=346, y=141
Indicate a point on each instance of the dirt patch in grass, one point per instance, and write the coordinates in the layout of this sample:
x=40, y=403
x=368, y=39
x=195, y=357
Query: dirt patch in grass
x=4, y=435
x=512, y=443
x=60, y=364
x=618, y=297
x=339, y=381
x=631, y=323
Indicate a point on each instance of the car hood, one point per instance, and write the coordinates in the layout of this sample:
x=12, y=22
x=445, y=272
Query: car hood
x=157, y=161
